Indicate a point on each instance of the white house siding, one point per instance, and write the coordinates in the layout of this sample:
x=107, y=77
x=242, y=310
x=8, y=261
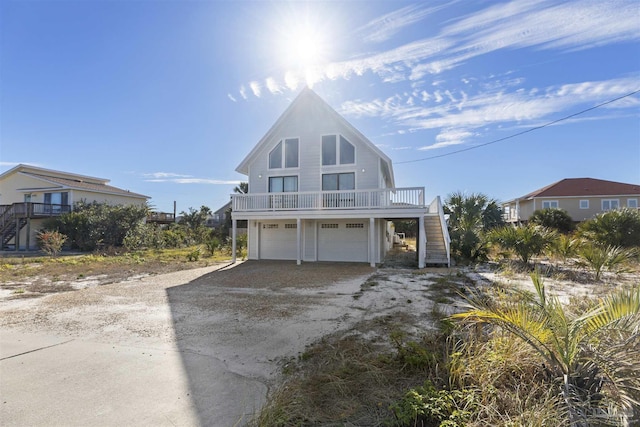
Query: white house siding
x=310, y=170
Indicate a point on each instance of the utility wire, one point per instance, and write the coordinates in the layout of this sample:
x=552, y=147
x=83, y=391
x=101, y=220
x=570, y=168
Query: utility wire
x=520, y=133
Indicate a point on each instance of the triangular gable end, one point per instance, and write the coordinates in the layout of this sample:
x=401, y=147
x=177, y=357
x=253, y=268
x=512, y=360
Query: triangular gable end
x=308, y=95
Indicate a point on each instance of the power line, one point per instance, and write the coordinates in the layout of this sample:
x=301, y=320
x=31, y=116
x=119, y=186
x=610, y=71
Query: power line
x=520, y=133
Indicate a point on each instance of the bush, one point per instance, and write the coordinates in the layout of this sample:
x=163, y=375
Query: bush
x=424, y=405
x=51, y=241
x=600, y=258
x=525, y=241
x=556, y=219
x=614, y=228
x=94, y=225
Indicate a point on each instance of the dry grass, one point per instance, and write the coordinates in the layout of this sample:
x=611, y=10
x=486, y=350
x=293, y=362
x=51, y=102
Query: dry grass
x=32, y=276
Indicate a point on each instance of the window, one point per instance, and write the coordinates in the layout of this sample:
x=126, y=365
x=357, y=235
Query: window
x=345, y=154
x=632, y=203
x=329, y=226
x=275, y=157
x=56, y=198
x=269, y=226
x=284, y=153
x=584, y=204
x=355, y=225
x=338, y=181
x=550, y=204
x=283, y=184
x=291, y=226
x=610, y=204
x=328, y=150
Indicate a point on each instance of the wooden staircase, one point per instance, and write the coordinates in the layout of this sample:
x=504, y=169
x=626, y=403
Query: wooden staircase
x=436, y=251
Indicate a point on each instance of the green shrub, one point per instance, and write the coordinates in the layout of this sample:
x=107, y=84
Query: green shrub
x=614, y=228
x=424, y=405
x=599, y=258
x=555, y=219
x=525, y=241
x=194, y=255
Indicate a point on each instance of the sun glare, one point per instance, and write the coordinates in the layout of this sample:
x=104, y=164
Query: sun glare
x=304, y=48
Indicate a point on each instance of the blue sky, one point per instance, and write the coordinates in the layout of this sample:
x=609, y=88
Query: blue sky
x=165, y=98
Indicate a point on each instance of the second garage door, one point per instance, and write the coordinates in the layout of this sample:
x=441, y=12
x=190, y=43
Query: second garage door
x=343, y=241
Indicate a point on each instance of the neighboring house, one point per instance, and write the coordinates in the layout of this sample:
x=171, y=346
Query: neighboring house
x=29, y=195
x=217, y=219
x=582, y=198
x=319, y=190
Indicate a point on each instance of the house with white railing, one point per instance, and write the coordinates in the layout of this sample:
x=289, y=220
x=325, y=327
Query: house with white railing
x=319, y=190
x=29, y=195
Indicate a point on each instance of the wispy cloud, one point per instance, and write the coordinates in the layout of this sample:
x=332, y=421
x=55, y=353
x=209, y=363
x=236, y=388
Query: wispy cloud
x=536, y=24
x=177, y=178
x=498, y=107
x=383, y=27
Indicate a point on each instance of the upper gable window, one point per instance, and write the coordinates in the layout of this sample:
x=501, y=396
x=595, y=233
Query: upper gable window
x=286, y=152
x=332, y=154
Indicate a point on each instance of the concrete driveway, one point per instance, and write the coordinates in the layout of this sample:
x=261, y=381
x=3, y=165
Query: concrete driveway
x=197, y=347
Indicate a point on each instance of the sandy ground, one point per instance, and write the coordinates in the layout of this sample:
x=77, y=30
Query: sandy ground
x=202, y=346
x=216, y=336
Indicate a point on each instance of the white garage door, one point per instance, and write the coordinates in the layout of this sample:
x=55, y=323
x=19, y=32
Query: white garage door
x=343, y=241
x=278, y=240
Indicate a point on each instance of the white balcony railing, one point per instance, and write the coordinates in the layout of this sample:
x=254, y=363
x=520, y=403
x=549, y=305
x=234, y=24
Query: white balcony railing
x=388, y=198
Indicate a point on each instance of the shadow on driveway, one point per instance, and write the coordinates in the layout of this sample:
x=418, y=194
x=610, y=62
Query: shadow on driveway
x=233, y=325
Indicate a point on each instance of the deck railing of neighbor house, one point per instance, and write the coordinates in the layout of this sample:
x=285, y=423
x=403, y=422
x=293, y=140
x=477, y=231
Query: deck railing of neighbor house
x=436, y=207
x=387, y=198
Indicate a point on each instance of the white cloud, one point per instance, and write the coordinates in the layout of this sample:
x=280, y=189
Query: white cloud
x=449, y=137
x=255, y=88
x=231, y=97
x=273, y=86
x=383, y=27
x=164, y=175
x=243, y=92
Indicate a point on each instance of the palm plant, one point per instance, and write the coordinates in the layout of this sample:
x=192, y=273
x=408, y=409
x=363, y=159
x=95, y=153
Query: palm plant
x=526, y=241
x=469, y=216
x=593, y=357
x=564, y=247
x=599, y=258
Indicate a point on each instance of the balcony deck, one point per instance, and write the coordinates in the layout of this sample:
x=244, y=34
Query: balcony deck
x=388, y=199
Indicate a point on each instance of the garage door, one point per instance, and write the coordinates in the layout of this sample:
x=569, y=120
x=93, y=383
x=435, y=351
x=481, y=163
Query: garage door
x=278, y=240
x=343, y=241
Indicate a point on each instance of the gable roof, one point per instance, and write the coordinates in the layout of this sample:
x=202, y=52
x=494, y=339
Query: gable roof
x=583, y=187
x=308, y=95
x=65, y=180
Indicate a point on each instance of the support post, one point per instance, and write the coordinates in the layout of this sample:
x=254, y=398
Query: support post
x=372, y=243
x=299, y=240
x=422, y=243
x=234, y=223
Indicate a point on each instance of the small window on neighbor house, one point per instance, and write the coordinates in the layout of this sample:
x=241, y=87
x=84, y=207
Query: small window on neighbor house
x=550, y=204
x=291, y=226
x=329, y=226
x=584, y=204
x=269, y=226
x=632, y=203
x=610, y=204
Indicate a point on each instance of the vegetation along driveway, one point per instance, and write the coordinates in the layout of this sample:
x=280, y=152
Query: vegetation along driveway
x=193, y=347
